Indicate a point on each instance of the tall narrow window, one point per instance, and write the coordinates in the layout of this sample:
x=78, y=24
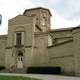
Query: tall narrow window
x=18, y=39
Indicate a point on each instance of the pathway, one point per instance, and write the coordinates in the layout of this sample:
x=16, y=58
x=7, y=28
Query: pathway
x=44, y=77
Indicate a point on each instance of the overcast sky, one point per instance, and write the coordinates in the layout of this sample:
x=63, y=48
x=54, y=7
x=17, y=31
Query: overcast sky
x=65, y=13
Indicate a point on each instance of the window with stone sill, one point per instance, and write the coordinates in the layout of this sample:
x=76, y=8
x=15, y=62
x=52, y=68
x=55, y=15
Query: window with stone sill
x=19, y=39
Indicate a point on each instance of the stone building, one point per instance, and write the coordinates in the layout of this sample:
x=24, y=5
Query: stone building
x=31, y=42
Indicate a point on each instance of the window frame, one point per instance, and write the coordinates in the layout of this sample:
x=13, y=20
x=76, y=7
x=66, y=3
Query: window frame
x=18, y=38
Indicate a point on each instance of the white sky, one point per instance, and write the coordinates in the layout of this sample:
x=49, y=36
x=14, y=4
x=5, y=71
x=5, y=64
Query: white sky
x=65, y=13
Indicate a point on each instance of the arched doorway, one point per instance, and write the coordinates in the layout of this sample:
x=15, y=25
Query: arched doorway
x=19, y=59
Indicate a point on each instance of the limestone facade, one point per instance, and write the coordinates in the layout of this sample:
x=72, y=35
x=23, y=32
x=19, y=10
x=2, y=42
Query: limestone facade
x=31, y=42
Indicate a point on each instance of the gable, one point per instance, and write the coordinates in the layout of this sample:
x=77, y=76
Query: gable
x=20, y=19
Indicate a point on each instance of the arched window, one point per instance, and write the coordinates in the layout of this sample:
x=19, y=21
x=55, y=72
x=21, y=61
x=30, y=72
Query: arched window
x=19, y=53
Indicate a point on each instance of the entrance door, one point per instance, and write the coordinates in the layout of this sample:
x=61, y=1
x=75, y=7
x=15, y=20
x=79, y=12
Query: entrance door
x=20, y=59
x=20, y=62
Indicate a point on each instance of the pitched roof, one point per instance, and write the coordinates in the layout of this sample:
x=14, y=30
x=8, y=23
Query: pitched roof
x=64, y=29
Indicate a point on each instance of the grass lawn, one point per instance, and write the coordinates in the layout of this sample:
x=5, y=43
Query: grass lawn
x=15, y=78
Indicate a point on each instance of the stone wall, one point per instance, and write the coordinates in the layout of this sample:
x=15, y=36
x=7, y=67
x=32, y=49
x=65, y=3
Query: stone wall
x=61, y=52
x=3, y=41
x=62, y=56
x=40, y=52
x=76, y=48
x=25, y=25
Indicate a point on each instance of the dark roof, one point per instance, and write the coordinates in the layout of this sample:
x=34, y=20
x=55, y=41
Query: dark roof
x=4, y=37
x=59, y=30
x=64, y=29
x=1, y=36
x=37, y=8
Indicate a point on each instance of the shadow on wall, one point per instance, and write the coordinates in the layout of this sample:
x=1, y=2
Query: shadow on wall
x=44, y=70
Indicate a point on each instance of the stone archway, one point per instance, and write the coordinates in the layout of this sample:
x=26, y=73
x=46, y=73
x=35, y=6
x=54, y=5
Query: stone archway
x=19, y=59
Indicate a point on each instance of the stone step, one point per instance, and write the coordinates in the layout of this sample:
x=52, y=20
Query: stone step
x=23, y=70
x=19, y=70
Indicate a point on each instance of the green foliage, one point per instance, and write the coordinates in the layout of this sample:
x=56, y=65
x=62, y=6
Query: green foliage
x=15, y=78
